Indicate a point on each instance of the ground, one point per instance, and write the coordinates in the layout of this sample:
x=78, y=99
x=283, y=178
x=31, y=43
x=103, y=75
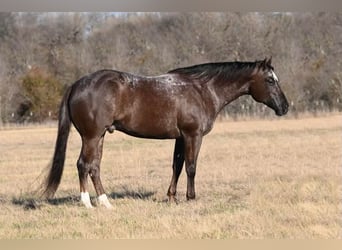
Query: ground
x=256, y=179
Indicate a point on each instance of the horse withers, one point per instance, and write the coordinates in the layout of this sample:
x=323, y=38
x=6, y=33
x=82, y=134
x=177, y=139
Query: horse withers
x=181, y=104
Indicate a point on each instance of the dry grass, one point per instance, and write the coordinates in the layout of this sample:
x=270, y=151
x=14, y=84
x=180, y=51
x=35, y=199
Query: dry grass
x=255, y=179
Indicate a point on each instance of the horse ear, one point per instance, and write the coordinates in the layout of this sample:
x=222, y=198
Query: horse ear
x=269, y=62
x=263, y=64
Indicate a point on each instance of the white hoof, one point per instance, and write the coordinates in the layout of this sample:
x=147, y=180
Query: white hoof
x=85, y=199
x=103, y=200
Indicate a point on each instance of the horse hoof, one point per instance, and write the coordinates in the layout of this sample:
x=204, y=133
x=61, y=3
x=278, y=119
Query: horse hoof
x=85, y=199
x=190, y=198
x=103, y=200
x=173, y=200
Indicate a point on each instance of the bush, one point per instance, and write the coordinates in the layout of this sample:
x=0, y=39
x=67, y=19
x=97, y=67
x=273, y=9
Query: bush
x=42, y=93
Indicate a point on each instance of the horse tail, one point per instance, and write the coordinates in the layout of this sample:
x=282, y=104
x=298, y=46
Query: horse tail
x=56, y=170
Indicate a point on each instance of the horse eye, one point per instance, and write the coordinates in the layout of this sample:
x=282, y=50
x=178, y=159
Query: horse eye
x=270, y=81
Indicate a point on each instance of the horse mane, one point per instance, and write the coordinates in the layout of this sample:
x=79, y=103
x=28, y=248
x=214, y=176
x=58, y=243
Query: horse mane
x=219, y=70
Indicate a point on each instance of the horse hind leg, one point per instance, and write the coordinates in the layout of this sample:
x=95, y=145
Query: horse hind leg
x=83, y=171
x=96, y=179
x=89, y=164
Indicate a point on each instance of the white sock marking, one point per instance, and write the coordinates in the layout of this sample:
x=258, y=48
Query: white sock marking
x=103, y=200
x=85, y=198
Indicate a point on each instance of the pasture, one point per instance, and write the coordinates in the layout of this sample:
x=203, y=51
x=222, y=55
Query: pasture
x=255, y=179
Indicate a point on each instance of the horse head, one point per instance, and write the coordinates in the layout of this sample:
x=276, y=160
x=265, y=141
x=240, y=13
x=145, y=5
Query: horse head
x=265, y=88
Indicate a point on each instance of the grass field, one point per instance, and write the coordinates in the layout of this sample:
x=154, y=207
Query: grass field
x=255, y=179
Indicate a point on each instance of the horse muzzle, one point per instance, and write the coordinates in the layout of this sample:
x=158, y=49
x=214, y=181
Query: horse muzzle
x=284, y=109
x=280, y=107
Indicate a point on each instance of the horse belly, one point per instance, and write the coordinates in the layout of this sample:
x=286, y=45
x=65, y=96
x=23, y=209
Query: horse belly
x=150, y=111
x=149, y=125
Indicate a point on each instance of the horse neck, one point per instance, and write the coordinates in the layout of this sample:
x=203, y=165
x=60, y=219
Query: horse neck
x=227, y=91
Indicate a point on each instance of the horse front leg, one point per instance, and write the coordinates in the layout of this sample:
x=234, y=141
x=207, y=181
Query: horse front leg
x=177, y=166
x=191, y=149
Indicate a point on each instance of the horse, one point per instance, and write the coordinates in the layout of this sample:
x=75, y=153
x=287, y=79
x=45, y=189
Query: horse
x=181, y=104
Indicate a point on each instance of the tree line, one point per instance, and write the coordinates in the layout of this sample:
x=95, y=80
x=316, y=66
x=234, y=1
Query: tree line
x=43, y=53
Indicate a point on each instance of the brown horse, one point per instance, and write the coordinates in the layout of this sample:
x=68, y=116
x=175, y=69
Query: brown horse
x=180, y=105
